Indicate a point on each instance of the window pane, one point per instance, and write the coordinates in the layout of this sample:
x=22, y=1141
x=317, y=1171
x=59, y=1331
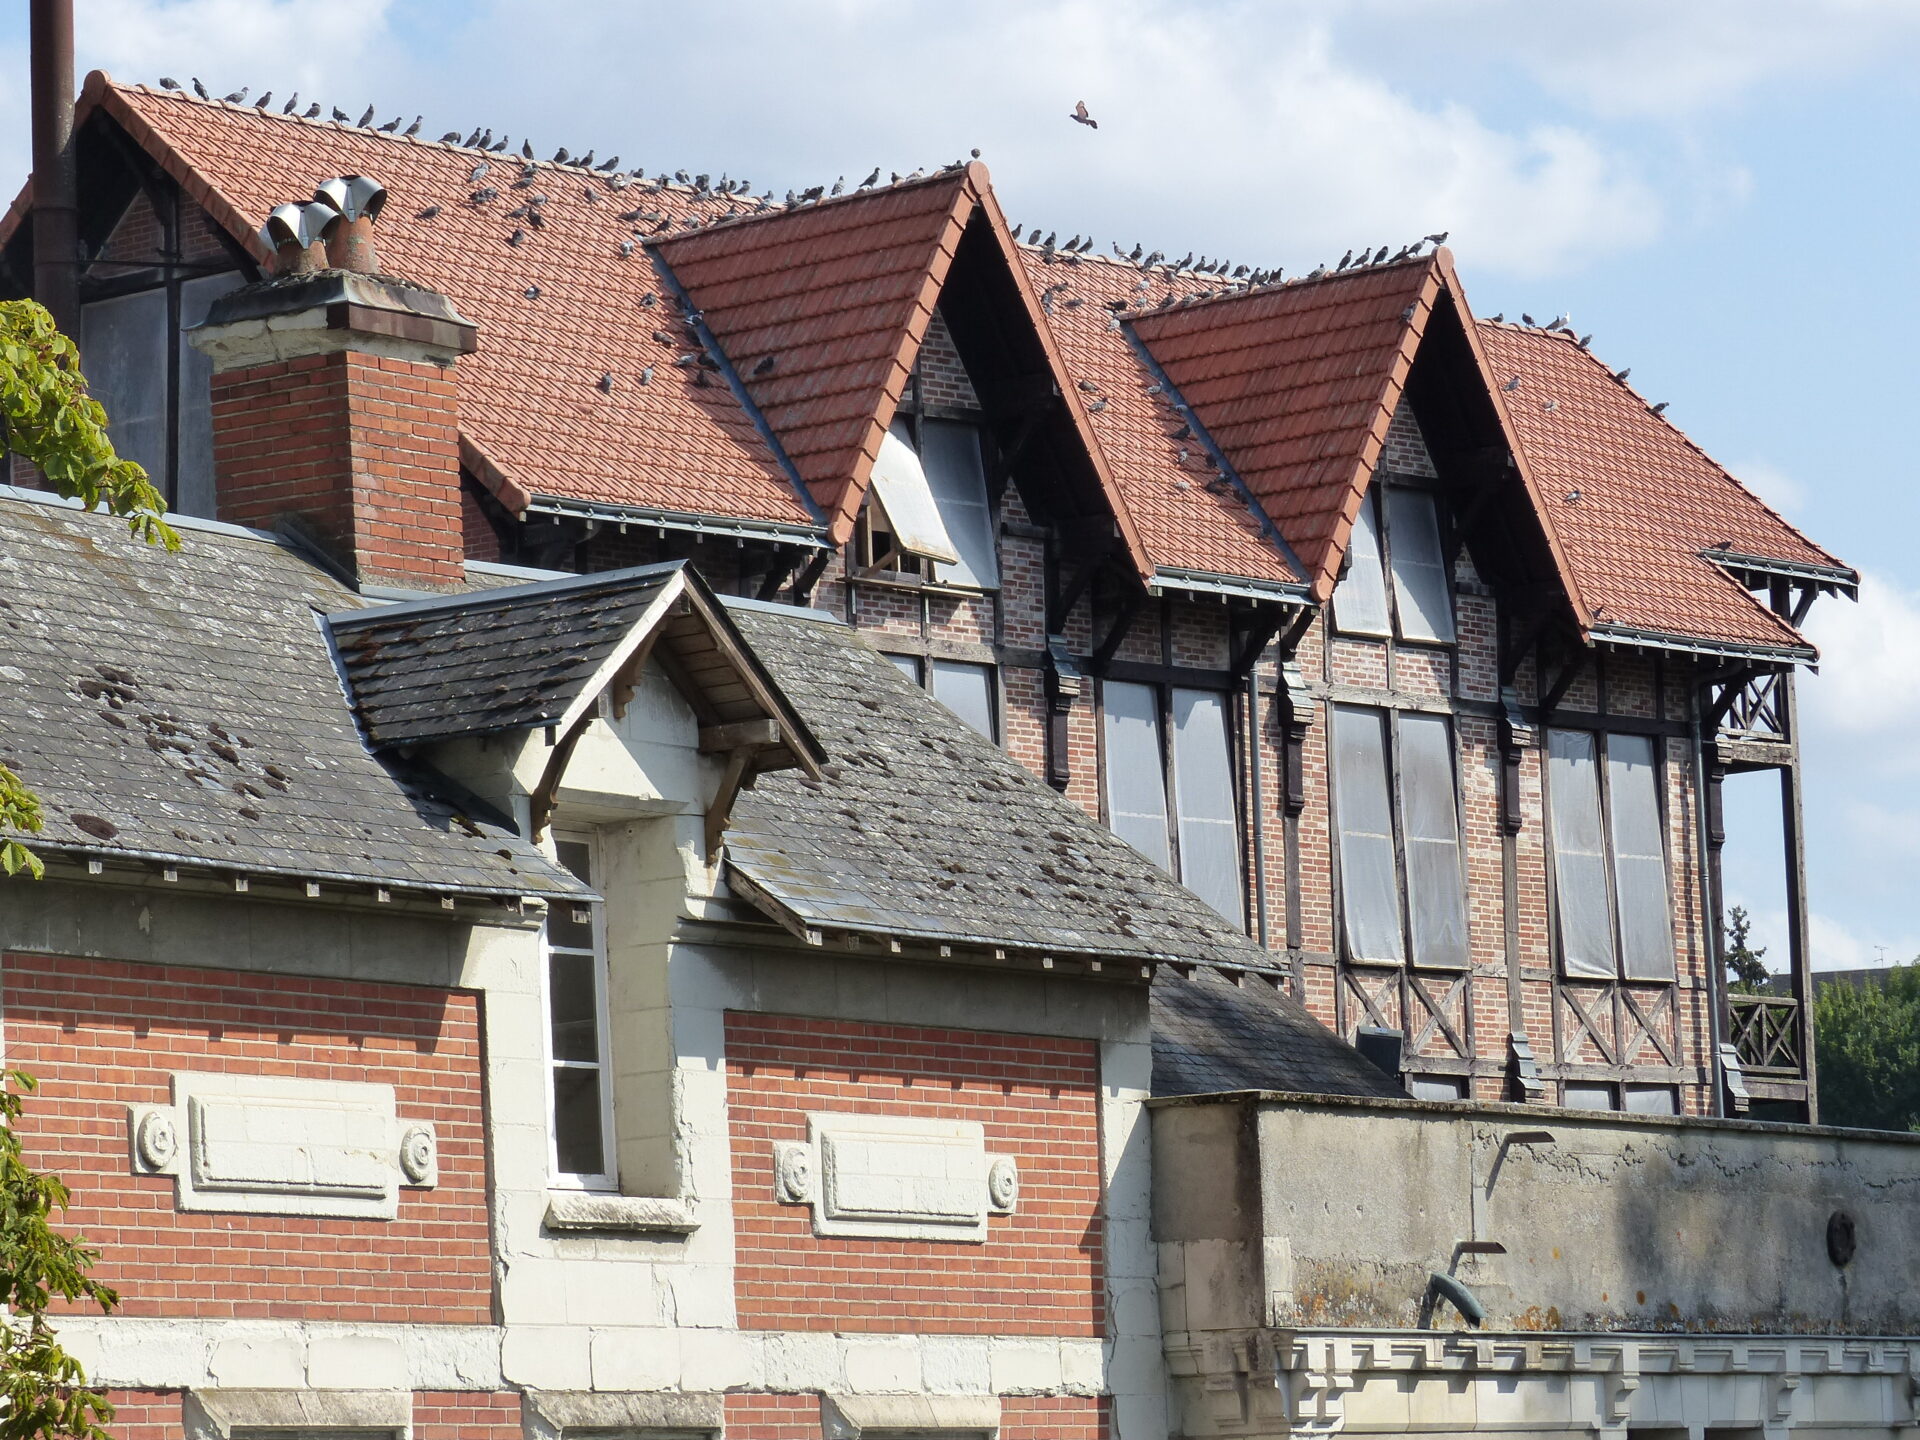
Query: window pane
x=908, y=665
x=1639, y=859
x=1360, y=600
x=1436, y=891
x=1369, y=882
x=900, y=488
x=1579, y=856
x=967, y=690
x=577, y=1145
x=577, y=857
x=1203, y=801
x=123, y=346
x=1421, y=594
x=1437, y=1087
x=1136, y=777
x=1590, y=1095
x=1652, y=1100
x=950, y=451
x=573, y=1005
x=196, y=496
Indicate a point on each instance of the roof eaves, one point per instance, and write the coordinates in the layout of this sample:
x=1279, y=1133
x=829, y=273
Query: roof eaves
x=1221, y=463
x=1847, y=580
x=1207, y=582
x=736, y=527
x=1637, y=637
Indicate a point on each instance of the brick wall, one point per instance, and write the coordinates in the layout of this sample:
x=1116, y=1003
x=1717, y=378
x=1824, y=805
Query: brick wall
x=363, y=448
x=458, y=1415
x=938, y=374
x=1022, y=1417
x=101, y=1035
x=1040, y=1271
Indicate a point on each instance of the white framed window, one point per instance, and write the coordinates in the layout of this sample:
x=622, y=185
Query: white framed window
x=1612, y=897
x=1175, y=803
x=1396, y=581
x=579, y=1072
x=1397, y=816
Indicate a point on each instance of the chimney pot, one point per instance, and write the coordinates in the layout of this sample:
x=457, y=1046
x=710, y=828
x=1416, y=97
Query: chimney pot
x=359, y=201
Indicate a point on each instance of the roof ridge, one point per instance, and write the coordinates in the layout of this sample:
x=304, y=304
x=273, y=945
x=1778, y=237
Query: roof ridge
x=779, y=208
x=1245, y=292
x=502, y=595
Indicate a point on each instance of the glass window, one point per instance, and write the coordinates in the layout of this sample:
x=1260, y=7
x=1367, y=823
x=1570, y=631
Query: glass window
x=1203, y=800
x=1639, y=859
x=1437, y=1087
x=909, y=666
x=1430, y=821
x=1369, y=876
x=1579, y=854
x=1360, y=599
x=123, y=347
x=950, y=451
x=1652, y=1100
x=1422, y=598
x=577, y=1030
x=1135, y=769
x=966, y=689
x=1589, y=1095
x=194, y=492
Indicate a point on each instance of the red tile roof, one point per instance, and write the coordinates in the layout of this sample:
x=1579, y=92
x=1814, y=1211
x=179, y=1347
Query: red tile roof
x=1297, y=383
x=1185, y=517
x=1649, y=501
x=822, y=311
x=530, y=405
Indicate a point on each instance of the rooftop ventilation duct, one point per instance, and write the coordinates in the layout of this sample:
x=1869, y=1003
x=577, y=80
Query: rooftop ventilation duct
x=359, y=202
x=298, y=235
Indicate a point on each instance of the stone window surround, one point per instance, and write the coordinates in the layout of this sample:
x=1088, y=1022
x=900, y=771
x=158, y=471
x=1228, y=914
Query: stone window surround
x=552, y=1414
x=223, y=1414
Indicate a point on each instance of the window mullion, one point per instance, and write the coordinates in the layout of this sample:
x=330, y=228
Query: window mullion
x=1609, y=848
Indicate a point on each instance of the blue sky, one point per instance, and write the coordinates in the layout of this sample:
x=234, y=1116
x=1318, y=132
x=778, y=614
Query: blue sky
x=1720, y=190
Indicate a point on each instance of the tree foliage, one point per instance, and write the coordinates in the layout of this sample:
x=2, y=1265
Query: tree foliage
x=48, y=418
x=43, y=1390
x=1746, y=966
x=1867, y=1043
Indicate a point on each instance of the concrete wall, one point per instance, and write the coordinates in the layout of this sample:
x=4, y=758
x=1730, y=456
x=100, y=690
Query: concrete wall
x=1301, y=1212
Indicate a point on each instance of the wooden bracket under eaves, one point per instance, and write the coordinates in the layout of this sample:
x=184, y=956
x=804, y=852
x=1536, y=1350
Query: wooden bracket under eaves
x=740, y=742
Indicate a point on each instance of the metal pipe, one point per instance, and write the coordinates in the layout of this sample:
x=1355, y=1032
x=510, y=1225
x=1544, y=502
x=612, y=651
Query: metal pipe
x=1256, y=807
x=1711, y=928
x=56, y=210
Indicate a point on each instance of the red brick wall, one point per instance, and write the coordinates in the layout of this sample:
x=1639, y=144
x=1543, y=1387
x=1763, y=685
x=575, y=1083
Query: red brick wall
x=101, y=1035
x=1022, y=1417
x=145, y=1415
x=455, y=1415
x=363, y=448
x=1041, y=1270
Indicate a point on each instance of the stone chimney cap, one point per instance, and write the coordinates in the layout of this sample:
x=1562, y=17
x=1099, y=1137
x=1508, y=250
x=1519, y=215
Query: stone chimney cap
x=354, y=196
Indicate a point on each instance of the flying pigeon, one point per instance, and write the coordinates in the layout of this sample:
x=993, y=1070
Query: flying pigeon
x=1081, y=117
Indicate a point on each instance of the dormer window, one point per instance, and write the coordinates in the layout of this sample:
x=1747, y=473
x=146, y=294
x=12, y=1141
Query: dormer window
x=927, y=515
x=1405, y=544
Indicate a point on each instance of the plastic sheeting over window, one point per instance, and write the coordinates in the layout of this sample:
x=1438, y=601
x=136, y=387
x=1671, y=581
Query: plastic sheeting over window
x=193, y=487
x=1360, y=599
x=1430, y=826
x=901, y=489
x=1422, y=598
x=950, y=451
x=1579, y=853
x=1203, y=801
x=1369, y=876
x=967, y=690
x=1135, y=770
x=1639, y=859
x=123, y=348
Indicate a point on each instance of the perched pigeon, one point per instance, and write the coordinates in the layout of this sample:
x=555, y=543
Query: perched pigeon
x=609, y=165
x=341, y=115
x=236, y=97
x=516, y=237
x=452, y=137
x=605, y=383
x=765, y=366
x=167, y=82
x=366, y=117
x=560, y=156
x=200, y=89
x=481, y=197
x=1513, y=384
x=871, y=180
x=1657, y=409
x=646, y=376
x=291, y=105
x=532, y=292
x=526, y=149
x=413, y=129
x=474, y=175
x=311, y=111
x=1081, y=117
x=428, y=213
x=392, y=125
x=264, y=101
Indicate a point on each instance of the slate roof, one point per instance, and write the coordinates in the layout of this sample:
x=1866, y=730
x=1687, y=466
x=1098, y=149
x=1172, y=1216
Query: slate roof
x=1211, y=1035
x=822, y=311
x=921, y=829
x=514, y=659
x=1650, y=502
x=185, y=709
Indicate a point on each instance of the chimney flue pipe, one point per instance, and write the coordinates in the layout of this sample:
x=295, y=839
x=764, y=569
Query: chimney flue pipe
x=56, y=221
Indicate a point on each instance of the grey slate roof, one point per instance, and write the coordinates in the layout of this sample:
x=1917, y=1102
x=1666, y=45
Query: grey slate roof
x=1210, y=1036
x=512, y=658
x=185, y=708
x=922, y=829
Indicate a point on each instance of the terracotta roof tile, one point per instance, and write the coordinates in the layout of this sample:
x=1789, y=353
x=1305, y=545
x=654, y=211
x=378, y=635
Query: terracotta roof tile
x=529, y=402
x=1183, y=524
x=1296, y=383
x=838, y=296
x=1649, y=500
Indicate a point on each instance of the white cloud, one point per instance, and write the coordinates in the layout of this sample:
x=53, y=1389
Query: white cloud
x=1771, y=484
x=1869, y=681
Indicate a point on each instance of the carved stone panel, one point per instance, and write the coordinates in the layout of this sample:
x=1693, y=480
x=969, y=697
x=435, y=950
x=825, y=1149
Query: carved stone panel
x=280, y=1145
x=896, y=1177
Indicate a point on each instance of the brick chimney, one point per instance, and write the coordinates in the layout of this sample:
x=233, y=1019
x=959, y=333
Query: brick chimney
x=334, y=404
